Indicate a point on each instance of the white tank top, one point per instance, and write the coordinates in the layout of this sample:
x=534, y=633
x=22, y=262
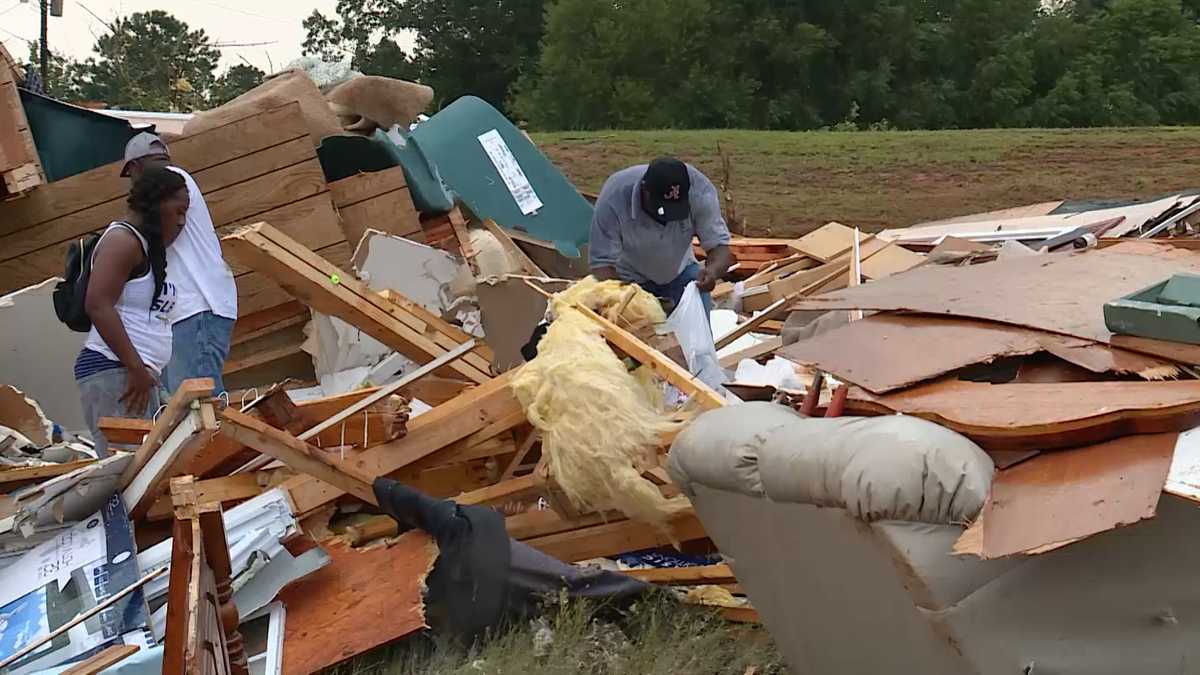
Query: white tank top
x=146, y=319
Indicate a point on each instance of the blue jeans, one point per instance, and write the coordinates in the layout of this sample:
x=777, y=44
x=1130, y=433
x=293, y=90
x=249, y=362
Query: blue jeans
x=99, y=395
x=199, y=346
x=674, y=288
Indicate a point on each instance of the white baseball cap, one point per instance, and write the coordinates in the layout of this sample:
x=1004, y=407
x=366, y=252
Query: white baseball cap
x=144, y=144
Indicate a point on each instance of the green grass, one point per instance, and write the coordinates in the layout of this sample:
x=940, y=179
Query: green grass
x=657, y=636
x=786, y=183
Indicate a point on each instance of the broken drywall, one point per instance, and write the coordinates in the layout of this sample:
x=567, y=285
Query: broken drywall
x=511, y=310
x=23, y=415
x=38, y=353
x=422, y=273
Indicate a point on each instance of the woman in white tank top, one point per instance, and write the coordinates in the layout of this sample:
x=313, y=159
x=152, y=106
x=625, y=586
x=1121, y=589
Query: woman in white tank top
x=129, y=300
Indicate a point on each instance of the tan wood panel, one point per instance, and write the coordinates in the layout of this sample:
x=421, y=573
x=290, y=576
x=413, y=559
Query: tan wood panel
x=193, y=153
x=213, y=183
x=392, y=212
x=364, y=186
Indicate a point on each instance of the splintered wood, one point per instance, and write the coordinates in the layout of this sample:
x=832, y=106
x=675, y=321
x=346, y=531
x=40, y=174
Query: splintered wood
x=326, y=288
x=362, y=599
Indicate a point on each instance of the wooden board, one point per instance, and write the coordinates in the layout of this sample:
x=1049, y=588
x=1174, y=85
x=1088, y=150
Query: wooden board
x=178, y=407
x=324, y=287
x=614, y=538
x=20, y=166
x=1060, y=293
x=98, y=663
x=491, y=404
x=1066, y=495
x=362, y=599
x=885, y=352
x=379, y=200
x=685, y=576
x=1043, y=416
x=12, y=478
x=828, y=241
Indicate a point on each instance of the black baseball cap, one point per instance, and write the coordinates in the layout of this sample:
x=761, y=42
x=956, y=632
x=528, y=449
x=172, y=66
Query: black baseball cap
x=668, y=184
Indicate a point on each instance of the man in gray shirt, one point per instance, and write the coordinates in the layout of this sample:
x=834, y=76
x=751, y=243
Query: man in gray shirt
x=643, y=225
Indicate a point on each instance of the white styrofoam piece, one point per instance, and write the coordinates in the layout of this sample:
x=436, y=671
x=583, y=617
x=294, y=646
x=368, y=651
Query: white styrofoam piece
x=1183, y=478
x=779, y=373
x=723, y=321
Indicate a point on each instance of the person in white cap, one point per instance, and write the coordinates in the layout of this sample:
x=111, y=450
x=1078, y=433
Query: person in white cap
x=206, y=307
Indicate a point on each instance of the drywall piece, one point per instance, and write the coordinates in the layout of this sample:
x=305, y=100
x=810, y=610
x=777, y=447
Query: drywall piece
x=511, y=311
x=1062, y=293
x=1066, y=495
x=422, y=273
x=33, y=338
x=23, y=415
x=1043, y=416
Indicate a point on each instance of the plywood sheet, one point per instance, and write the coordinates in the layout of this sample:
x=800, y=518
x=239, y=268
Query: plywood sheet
x=362, y=599
x=1043, y=416
x=828, y=241
x=1066, y=495
x=1061, y=293
x=885, y=352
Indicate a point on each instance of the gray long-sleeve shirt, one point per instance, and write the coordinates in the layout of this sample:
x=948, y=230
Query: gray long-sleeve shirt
x=624, y=236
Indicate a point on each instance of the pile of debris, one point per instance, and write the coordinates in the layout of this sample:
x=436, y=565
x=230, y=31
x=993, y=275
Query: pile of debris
x=383, y=316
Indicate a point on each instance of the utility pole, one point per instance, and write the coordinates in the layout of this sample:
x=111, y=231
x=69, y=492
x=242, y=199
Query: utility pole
x=45, y=55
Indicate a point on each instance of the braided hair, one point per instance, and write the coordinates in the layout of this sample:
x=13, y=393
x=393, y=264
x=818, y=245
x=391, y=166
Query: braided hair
x=148, y=191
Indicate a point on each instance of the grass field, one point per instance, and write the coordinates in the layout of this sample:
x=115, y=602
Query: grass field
x=786, y=183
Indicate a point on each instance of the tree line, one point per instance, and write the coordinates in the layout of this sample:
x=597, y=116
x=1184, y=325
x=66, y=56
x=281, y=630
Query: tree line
x=801, y=64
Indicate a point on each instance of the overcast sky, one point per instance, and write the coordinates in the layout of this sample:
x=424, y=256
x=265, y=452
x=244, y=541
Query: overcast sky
x=225, y=21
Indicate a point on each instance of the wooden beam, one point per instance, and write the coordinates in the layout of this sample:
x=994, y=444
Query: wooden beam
x=459, y=225
x=518, y=459
x=97, y=663
x=125, y=430
x=614, y=538
x=328, y=289
x=219, y=490
x=295, y=453
x=512, y=489
x=759, y=350
x=177, y=409
x=27, y=474
x=514, y=251
x=685, y=576
x=183, y=441
x=659, y=363
x=436, y=430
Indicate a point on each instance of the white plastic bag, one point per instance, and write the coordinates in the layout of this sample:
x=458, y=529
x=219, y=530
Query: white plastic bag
x=689, y=323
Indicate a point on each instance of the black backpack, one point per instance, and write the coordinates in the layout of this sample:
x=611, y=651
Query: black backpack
x=71, y=292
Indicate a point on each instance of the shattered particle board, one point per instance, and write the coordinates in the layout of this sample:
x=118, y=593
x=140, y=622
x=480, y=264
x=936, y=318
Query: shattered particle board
x=362, y=599
x=885, y=352
x=1062, y=496
x=511, y=311
x=828, y=241
x=23, y=415
x=1061, y=293
x=1043, y=416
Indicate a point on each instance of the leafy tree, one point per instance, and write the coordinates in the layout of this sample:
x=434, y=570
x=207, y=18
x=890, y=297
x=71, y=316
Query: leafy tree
x=462, y=46
x=150, y=61
x=62, y=74
x=234, y=82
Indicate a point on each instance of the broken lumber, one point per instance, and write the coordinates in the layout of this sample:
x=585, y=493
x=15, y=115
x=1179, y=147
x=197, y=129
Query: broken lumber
x=666, y=368
x=105, y=659
x=613, y=538
x=325, y=288
x=182, y=443
x=510, y=247
x=202, y=621
x=294, y=452
x=491, y=405
x=685, y=576
x=220, y=490
x=178, y=408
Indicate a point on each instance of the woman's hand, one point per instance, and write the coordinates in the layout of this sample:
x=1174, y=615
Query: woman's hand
x=139, y=383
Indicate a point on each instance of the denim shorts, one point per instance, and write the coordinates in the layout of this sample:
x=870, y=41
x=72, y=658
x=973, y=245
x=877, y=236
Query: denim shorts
x=100, y=395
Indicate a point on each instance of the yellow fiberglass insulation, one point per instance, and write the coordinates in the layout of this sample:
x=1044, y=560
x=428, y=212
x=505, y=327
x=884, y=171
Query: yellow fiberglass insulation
x=600, y=424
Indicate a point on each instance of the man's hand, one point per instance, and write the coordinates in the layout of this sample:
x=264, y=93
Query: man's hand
x=139, y=382
x=716, y=264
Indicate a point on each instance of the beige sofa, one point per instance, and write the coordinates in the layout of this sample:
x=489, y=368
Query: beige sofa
x=840, y=532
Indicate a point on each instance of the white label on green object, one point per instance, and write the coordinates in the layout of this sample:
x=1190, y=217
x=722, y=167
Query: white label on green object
x=518, y=185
